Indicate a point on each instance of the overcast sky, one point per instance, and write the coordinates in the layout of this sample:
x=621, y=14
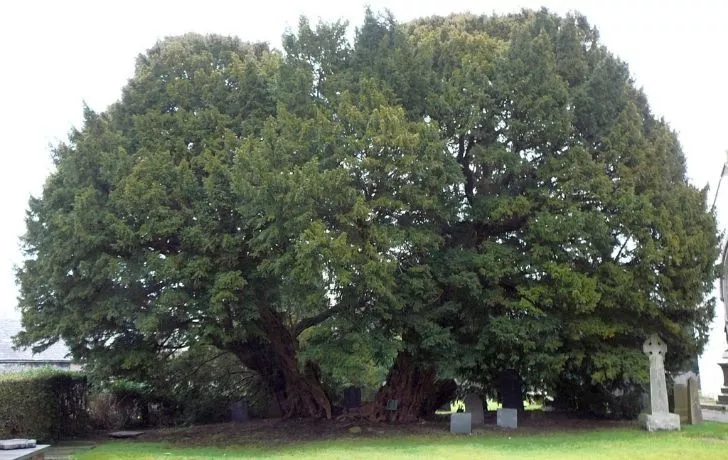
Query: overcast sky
x=57, y=54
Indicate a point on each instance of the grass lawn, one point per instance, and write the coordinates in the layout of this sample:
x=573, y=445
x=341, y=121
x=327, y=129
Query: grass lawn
x=708, y=441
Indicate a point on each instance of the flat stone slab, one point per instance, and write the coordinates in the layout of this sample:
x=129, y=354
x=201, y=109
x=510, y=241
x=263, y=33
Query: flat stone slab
x=660, y=422
x=126, y=434
x=8, y=444
x=24, y=454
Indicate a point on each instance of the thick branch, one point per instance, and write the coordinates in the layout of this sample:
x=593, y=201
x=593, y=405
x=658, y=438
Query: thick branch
x=619, y=254
x=464, y=160
x=474, y=233
x=311, y=321
x=197, y=369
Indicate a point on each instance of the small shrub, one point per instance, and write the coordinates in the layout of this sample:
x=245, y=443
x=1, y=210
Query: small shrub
x=123, y=403
x=105, y=412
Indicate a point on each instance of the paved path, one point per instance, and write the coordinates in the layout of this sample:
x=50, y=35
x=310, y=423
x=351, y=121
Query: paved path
x=67, y=450
x=715, y=415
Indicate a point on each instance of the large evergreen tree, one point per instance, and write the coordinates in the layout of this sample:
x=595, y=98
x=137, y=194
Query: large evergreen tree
x=578, y=232
x=475, y=193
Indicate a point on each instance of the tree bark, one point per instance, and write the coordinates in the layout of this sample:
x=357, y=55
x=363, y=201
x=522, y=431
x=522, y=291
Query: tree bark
x=415, y=387
x=274, y=356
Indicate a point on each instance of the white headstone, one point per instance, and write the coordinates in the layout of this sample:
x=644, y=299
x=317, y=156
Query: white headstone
x=461, y=423
x=507, y=418
x=474, y=405
x=659, y=416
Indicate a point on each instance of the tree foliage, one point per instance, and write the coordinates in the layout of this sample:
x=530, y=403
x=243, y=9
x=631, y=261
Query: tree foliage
x=469, y=193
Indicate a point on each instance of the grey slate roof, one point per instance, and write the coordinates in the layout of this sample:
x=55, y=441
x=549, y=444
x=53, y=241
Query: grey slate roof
x=8, y=328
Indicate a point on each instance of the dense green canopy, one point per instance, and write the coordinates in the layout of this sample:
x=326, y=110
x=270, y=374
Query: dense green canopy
x=473, y=194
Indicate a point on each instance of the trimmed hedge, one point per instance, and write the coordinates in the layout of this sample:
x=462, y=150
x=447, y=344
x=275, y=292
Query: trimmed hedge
x=44, y=405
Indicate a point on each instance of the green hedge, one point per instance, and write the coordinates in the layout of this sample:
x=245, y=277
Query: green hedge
x=45, y=405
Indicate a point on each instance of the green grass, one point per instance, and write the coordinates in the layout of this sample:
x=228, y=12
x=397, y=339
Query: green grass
x=708, y=441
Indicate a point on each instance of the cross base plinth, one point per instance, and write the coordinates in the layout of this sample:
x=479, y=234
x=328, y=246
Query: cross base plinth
x=660, y=422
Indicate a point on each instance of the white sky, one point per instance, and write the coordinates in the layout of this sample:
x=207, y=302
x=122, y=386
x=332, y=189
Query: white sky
x=57, y=54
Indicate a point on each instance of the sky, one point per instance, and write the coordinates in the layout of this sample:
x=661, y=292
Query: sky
x=58, y=55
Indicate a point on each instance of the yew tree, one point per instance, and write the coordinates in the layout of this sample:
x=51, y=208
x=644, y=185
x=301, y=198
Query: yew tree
x=578, y=233
x=225, y=201
x=459, y=196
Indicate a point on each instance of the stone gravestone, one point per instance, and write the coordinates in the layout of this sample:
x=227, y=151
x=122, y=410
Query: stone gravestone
x=510, y=389
x=273, y=409
x=392, y=405
x=474, y=405
x=507, y=418
x=695, y=413
x=461, y=423
x=352, y=399
x=659, y=417
x=239, y=412
x=682, y=401
x=511, y=396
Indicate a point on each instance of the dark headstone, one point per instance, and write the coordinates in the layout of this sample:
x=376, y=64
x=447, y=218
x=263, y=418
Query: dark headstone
x=474, y=405
x=239, y=412
x=681, y=401
x=511, y=390
x=392, y=405
x=352, y=398
x=273, y=409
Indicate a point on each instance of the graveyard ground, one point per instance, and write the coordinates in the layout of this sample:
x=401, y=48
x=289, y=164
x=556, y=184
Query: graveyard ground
x=542, y=437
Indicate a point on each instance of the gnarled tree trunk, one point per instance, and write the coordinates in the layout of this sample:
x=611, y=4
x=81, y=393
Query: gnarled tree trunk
x=275, y=357
x=415, y=387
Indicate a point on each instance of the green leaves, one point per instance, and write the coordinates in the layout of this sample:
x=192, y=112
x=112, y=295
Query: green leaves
x=483, y=192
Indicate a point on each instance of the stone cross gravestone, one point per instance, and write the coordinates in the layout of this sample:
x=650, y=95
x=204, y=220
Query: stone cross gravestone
x=474, y=405
x=659, y=417
x=695, y=412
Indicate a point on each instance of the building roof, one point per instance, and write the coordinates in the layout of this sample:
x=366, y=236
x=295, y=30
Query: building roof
x=8, y=329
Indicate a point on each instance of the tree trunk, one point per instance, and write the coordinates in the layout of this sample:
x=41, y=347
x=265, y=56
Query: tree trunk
x=415, y=388
x=275, y=358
